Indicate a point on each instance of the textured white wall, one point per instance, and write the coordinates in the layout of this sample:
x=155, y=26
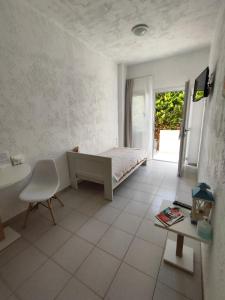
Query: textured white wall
x=55, y=93
x=172, y=72
x=175, y=26
x=212, y=168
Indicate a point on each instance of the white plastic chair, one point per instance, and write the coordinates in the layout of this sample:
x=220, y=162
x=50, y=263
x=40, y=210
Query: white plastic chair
x=42, y=187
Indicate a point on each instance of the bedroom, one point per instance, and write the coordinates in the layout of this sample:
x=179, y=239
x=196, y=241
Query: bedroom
x=60, y=89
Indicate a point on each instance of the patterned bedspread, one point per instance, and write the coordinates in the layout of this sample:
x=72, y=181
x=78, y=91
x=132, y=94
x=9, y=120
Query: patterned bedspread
x=124, y=159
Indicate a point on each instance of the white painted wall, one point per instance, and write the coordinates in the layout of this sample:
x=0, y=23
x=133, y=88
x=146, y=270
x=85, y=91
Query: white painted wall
x=55, y=93
x=212, y=167
x=172, y=72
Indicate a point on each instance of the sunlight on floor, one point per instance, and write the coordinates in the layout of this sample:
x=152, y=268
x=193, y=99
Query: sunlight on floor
x=166, y=156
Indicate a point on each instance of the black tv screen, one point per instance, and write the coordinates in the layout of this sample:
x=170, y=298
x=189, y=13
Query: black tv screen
x=201, y=86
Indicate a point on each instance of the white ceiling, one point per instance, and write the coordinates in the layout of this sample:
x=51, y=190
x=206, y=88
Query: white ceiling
x=176, y=26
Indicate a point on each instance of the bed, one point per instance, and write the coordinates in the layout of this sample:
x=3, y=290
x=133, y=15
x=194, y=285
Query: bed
x=109, y=168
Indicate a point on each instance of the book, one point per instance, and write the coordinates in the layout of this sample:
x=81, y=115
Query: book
x=170, y=216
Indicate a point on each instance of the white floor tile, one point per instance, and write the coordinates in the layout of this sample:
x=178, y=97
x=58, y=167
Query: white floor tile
x=15, y=248
x=146, y=187
x=107, y=214
x=17, y=270
x=73, y=221
x=144, y=256
x=137, y=208
x=98, y=271
x=75, y=290
x=149, y=232
x=188, y=285
x=131, y=284
x=5, y=292
x=45, y=283
x=143, y=196
x=115, y=242
x=167, y=194
x=73, y=253
x=163, y=292
x=37, y=225
x=127, y=222
x=155, y=207
x=119, y=202
x=123, y=191
x=154, y=179
x=72, y=198
x=60, y=212
x=90, y=207
x=93, y=230
x=52, y=240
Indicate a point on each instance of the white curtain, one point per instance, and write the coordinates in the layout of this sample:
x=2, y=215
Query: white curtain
x=143, y=114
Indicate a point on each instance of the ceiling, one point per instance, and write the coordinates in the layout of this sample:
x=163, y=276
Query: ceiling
x=176, y=26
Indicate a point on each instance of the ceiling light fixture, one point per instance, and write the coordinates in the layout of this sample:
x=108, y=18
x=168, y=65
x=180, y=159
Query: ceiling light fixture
x=140, y=29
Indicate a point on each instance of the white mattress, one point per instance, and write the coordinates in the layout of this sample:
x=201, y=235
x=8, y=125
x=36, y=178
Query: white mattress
x=124, y=159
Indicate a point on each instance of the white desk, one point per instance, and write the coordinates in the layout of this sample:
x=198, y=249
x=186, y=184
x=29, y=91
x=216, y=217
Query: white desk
x=8, y=176
x=175, y=252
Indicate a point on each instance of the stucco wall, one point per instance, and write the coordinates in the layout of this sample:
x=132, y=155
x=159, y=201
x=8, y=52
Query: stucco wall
x=55, y=93
x=212, y=168
x=172, y=71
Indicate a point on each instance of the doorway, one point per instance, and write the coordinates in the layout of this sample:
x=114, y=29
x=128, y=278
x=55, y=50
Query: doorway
x=167, y=125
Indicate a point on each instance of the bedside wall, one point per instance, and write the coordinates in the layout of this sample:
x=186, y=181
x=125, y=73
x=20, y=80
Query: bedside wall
x=212, y=167
x=55, y=93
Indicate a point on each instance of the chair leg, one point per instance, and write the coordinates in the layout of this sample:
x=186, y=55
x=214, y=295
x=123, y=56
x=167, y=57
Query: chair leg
x=27, y=214
x=51, y=212
x=59, y=200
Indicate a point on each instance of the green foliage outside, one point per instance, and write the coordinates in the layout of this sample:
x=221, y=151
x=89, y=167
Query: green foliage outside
x=199, y=95
x=168, y=110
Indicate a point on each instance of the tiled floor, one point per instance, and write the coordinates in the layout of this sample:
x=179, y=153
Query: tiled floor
x=100, y=249
x=165, y=156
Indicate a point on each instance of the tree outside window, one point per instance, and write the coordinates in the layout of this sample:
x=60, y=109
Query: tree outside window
x=168, y=112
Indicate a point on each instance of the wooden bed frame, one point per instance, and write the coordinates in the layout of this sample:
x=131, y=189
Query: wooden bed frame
x=97, y=169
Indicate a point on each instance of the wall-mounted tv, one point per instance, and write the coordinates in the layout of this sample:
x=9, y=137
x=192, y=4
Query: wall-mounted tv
x=201, y=88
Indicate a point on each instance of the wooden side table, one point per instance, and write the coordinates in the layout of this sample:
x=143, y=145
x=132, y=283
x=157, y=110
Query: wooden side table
x=176, y=253
x=9, y=176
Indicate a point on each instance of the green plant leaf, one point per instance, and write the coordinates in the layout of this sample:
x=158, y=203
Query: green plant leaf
x=168, y=110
